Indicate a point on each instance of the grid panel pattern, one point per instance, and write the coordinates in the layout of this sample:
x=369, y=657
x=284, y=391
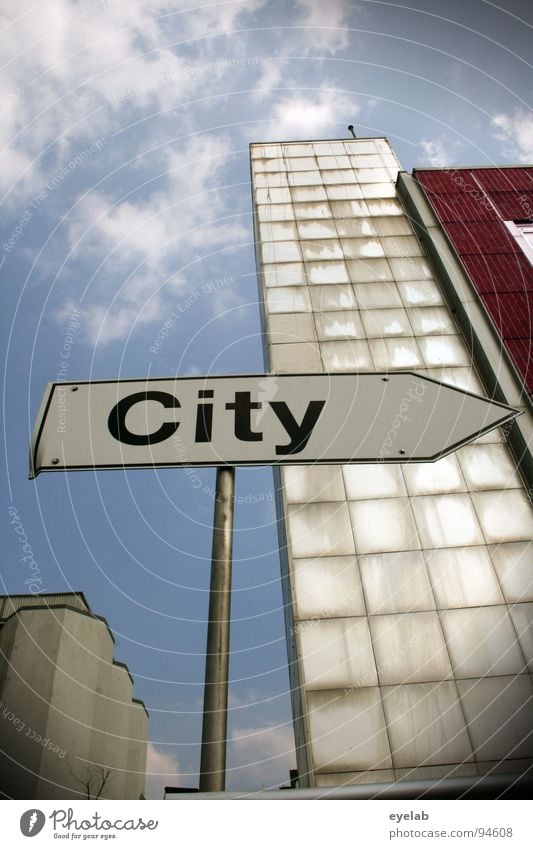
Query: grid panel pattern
x=403, y=578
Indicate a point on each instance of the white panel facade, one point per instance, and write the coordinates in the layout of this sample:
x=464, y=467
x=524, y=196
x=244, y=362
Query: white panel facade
x=408, y=588
x=68, y=716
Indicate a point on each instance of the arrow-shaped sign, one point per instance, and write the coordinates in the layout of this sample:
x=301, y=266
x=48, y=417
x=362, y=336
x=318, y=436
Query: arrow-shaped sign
x=253, y=420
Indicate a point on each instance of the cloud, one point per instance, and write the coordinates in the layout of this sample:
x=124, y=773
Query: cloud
x=327, y=22
x=311, y=115
x=261, y=757
x=143, y=245
x=439, y=152
x=516, y=131
x=74, y=71
x=162, y=770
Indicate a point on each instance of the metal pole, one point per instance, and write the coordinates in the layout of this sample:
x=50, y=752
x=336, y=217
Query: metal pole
x=215, y=720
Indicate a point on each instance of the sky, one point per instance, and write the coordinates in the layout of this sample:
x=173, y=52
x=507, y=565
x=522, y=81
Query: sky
x=125, y=192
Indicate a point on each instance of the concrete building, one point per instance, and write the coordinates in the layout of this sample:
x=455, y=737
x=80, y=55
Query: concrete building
x=407, y=588
x=69, y=727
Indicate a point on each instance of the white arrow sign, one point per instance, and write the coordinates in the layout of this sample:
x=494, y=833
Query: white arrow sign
x=256, y=420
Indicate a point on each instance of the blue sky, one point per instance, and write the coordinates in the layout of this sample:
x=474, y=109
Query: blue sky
x=125, y=193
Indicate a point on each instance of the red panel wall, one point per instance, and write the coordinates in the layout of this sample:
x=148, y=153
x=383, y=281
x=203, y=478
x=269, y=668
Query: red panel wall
x=472, y=205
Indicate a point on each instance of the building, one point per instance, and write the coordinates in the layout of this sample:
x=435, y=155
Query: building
x=69, y=727
x=407, y=588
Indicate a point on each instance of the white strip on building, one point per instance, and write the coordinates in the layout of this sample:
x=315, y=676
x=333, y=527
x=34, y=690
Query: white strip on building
x=407, y=588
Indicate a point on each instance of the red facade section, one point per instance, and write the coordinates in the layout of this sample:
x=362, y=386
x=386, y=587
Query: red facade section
x=473, y=205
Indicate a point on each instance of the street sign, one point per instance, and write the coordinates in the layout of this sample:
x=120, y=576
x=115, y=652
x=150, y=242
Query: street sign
x=252, y=420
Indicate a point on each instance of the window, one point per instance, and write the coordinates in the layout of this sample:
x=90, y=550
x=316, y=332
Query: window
x=523, y=234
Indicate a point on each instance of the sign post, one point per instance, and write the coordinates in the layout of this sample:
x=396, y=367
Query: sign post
x=250, y=420
x=215, y=717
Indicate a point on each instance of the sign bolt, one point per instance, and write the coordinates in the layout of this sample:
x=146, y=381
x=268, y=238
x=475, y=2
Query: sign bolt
x=55, y=461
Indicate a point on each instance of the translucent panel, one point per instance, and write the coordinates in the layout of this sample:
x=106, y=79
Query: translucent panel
x=488, y=467
x=281, y=251
x=446, y=521
x=420, y=293
x=379, y=323
x=377, y=296
x=303, y=211
x=355, y=248
x=320, y=530
x=368, y=160
x=385, y=206
x=505, y=515
x=337, y=653
x=326, y=587
x=426, y=725
x=275, y=180
x=312, y=194
x=339, y=325
x=513, y=562
x=317, y=229
x=346, y=192
x=410, y=268
x=329, y=148
x=409, y=648
x=394, y=353
x=463, y=378
x=313, y=483
x=284, y=274
x=401, y=246
x=369, y=270
x=325, y=298
x=481, y=641
x=381, y=526
x=320, y=250
x=332, y=271
x=347, y=729
x=264, y=151
x=275, y=212
x=288, y=328
x=348, y=209
x=301, y=163
x=345, y=779
x=373, y=481
x=396, y=583
x=498, y=712
x=305, y=178
x=358, y=147
x=430, y=478
x=522, y=618
x=304, y=149
x=444, y=351
x=327, y=163
x=424, y=773
x=300, y=357
x=372, y=175
x=346, y=356
x=333, y=178
x=288, y=299
x=272, y=196
x=463, y=577
x=393, y=225
x=378, y=190
x=269, y=165
x=432, y=320
x=355, y=227
x=390, y=160
x=274, y=231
